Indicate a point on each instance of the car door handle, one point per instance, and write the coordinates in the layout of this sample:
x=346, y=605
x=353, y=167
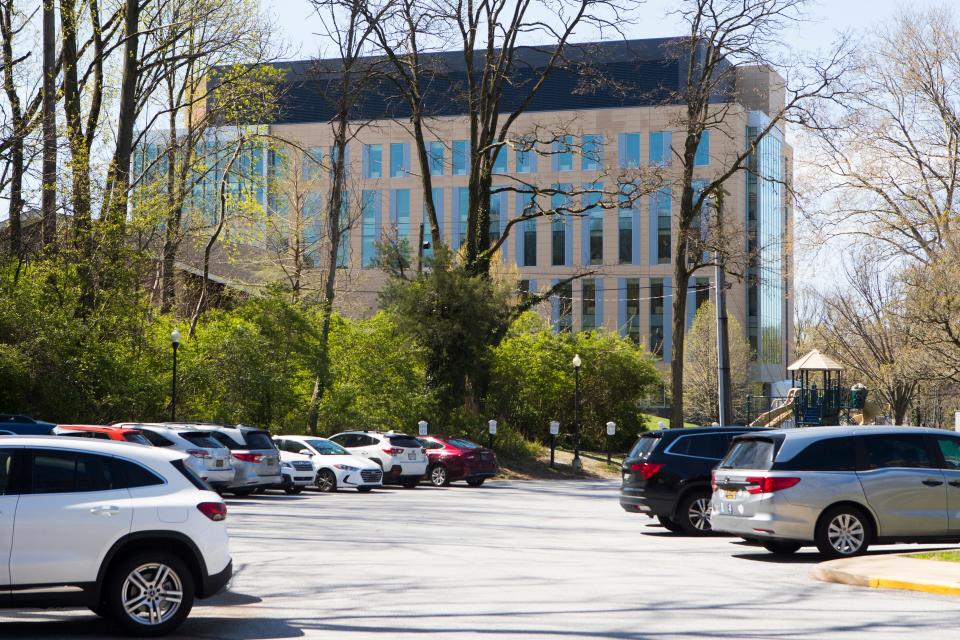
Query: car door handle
x=932, y=483
x=955, y=483
x=104, y=510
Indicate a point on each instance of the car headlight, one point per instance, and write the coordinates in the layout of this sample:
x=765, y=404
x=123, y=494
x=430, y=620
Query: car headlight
x=346, y=467
x=286, y=465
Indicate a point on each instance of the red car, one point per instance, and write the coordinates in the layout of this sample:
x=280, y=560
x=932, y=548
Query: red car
x=122, y=434
x=451, y=459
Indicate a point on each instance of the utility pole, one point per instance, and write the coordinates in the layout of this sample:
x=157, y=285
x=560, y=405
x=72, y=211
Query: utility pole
x=48, y=180
x=723, y=353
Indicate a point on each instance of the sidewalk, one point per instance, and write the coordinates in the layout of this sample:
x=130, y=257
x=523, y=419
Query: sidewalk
x=893, y=572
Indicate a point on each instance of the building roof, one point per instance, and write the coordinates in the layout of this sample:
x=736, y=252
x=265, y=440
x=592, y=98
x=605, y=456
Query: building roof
x=815, y=361
x=593, y=75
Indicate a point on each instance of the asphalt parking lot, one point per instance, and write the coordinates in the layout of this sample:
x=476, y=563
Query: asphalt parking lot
x=508, y=560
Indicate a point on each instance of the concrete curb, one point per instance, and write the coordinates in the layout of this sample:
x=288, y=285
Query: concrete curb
x=893, y=572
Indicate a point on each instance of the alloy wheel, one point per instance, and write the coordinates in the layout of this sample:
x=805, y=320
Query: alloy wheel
x=438, y=476
x=699, y=514
x=846, y=534
x=152, y=594
x=326, y=481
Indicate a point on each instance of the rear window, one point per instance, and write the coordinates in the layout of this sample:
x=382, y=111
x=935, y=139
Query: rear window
x=190, y=475
x=749, y=454
x=644, y=446
x=404, y=441
x=136, y=438
x=258, y=440
x=200, y=439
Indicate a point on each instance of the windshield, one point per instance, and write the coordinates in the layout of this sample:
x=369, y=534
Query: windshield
x=327, y=448
x=463, y=443
x=136, y=438
x=644, y=446
x=749, y=454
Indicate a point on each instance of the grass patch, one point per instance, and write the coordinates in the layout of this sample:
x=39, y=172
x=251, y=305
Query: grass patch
x=943, y=556
x=651, y=421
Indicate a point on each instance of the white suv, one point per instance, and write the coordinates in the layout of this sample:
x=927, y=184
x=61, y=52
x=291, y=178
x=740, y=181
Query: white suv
x=126, y=530
x=208, y=458
x=402, y=457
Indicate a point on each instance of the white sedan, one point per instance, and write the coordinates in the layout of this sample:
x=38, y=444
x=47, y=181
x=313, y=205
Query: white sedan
x=336, y=467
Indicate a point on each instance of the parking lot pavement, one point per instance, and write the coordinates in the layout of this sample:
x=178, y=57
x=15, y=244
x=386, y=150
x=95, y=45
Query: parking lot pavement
x=509, y=560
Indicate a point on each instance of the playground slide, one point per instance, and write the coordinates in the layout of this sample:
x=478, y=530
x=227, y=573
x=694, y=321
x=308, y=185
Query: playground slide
x=774, y=417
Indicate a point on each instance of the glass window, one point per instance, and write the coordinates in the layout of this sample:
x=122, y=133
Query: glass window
x=563, y=154
x=558, y=241
x=656, y=316
x=749, y=454
x=701, y=292
x=136, y=438
x=258, y=440
x=588, y=305
x=500, y=160
x=463, y=443
x=200, y=439
x=660, y=207
x=460, y=160
x=131, y=475
x=400, y=213
x=372, y=161
x=661, y=147
x=713, y=446
x=156, y=439
x=832, y=454
x=69, y=472
x=630, y=150
x=530, y=243
x=564, y=308
x=525, y=156
x=325, y=447
x=702, y=157
x=644, y=446
x=343, y=439
x=889, y=451
x=625, y=236
x=632, y=309
x=462, y=204
x=435, y=152
x=950, y=448
x=6, y=471
x=497, y=213
x=429, y=444
x=403, y=441
x=592, y=153
x=399, y=159
x=370, y=227
x=594, y=222
x=225, y=440
x=343, y=249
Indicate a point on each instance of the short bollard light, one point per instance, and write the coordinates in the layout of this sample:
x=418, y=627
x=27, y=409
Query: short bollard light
x=492, y=429
x=422, y=427
x=611, y=431
x=554, y=432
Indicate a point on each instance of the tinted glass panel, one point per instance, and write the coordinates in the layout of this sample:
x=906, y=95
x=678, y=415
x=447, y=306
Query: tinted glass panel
x=462, y=443
x=190, y=475
x=749, y=454
x=950, y=448
x=6, y=471
x=429, y=444
x=896, y=451
x=712, y=446
x=136, y=438
x=131, y=475
x=643, y=446
x=225, y=440
x=156, y=439
x=66, y=472
x=344, y=440
x=200, y=439
x=834, y=454
x=403, y=441
x=258, y=440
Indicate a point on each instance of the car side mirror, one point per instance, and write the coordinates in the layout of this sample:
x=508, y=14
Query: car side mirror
x=306, y=452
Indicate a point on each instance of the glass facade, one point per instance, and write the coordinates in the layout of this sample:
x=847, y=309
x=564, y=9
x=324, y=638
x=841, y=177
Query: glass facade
x=461, y=206
x=592, y=153
x=399, y=159
x=525, y=157
x=372, y=161
x=630, y=323
x=765, y=223
x=588, y=305
x=629, y=144
x=562, y=158
x=435, y=153
x=661, y=241
x=592, y=240
x=400, y=214
x=370, y=227
x=657, y=302
x=460, y=163
x=661, y=143
x=702, y=157
x=562, y=307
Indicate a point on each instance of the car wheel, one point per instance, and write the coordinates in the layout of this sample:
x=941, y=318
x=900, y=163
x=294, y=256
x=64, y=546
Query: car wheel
x=326, y=481
x=475, y=482
x=669, y=524
x=149, y=594
x=780, y=548
x=241, y=493
x=842, y=532
x=294, y=490
x=410, y=484
x=364, y=489
x=438, y=476
x=693, y=514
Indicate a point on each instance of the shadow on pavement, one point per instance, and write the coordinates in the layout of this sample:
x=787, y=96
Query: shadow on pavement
x=196, y=627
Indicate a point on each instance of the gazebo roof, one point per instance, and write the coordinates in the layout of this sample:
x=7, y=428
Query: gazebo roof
x=815, y=361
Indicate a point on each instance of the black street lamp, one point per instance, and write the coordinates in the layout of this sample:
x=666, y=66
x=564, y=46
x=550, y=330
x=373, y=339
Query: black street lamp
x=577, y=464
x=175, y=341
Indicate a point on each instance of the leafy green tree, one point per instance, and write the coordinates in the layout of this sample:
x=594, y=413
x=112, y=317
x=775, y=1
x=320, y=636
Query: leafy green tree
x=700, y=364
x=532, y=381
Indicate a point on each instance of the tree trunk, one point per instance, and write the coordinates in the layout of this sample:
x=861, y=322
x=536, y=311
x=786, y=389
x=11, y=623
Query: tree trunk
x=48, y=199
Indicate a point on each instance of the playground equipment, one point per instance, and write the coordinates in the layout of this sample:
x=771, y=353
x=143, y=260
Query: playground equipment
x=817, y=397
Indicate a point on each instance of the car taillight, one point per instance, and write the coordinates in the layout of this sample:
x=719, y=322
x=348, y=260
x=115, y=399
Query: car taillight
x=248, y=457
x=423, y=451
x=216, y=511
x=713, y=480
x=646, y=469
x=769, y=485
x=393, y=451
x=199, y=453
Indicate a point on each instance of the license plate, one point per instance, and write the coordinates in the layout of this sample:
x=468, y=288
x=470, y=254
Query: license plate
x=219, y=463
x=412, y=455
x=729, y=494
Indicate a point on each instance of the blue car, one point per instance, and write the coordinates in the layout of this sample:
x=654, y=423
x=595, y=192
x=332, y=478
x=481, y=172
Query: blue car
x=11, y=424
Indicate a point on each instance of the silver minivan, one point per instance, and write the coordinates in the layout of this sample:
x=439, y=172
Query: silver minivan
x=839, y=488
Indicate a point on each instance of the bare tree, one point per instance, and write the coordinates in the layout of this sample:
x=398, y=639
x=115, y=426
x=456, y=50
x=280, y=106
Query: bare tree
x=725, y=38
x=864, y=327
x=49, y=177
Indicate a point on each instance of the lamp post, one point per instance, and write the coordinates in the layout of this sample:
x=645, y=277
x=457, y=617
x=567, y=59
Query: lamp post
x=577, y=464
x=175, y=341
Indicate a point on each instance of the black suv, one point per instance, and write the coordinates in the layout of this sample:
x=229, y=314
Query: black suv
x=667, y=475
